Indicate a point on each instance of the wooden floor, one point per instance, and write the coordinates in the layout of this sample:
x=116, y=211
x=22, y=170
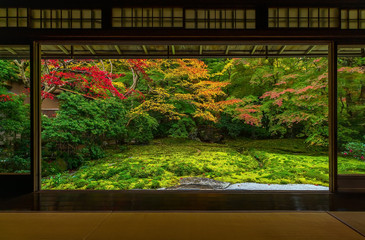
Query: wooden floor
x=186, y=226
x=181, y=201
x=184, y=215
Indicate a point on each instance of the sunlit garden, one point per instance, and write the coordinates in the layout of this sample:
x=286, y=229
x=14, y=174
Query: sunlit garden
x=171, y=124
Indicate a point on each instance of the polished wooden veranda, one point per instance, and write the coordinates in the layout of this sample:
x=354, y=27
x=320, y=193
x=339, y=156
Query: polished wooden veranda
x=182, y=215
x=203, y=225
x=182, y=200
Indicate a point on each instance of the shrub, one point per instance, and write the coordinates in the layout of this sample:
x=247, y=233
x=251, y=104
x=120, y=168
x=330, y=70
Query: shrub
x=14, y=116
x=163, y=128
x=355, y=150
x=95, y=152
x=8, y=71
x=81, y=128
x=235, y=128
x=14, y=133
x=140, y=129
x=346, y=131
x=15, y=164
x=182, y=128
x=53, y=168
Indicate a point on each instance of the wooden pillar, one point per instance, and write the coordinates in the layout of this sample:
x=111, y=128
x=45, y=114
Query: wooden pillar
x=262, y=17
x=332, y=115
x=107, y=17
x=35, y=107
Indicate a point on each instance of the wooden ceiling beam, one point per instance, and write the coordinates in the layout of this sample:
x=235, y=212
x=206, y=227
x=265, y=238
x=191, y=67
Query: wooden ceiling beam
x=118, y=49
x=63, y=49
x=173, y=49
x=253, y=49
x=227, y=50
x=92, y=51
x=282, y=49
x=145, y=49
x=309, y=50
x=12, y=51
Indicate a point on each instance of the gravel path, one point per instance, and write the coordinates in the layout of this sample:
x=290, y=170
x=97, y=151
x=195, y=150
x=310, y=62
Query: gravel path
x=198, y=183
x=260, y=186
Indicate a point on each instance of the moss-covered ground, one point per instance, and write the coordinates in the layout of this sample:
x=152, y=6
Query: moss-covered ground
x=163, y=162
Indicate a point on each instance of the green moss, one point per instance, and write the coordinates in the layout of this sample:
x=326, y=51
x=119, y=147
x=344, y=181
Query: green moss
x=163, y=162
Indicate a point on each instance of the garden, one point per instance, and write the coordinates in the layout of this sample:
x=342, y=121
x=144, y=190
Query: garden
x=209, y=123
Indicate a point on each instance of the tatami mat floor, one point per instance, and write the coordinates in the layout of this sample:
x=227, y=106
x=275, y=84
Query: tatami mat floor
x=183, y=225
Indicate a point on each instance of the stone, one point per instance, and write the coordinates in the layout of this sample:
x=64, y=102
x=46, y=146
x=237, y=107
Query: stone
x=197, y=183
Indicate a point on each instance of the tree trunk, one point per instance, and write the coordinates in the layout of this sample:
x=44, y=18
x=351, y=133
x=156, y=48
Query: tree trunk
x=21, y=66
x=362, y=94
x=349, y=102
x=134, y=84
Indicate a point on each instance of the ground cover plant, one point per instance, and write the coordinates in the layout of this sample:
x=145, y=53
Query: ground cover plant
x=164, y=162
x=148, y=123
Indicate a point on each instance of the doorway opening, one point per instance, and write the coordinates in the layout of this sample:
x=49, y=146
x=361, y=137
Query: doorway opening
x=183, y=117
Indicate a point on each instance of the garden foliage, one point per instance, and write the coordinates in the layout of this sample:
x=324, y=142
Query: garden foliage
x=117, y=103
x=81, y=128
x=14, y=127
x=355, y=150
